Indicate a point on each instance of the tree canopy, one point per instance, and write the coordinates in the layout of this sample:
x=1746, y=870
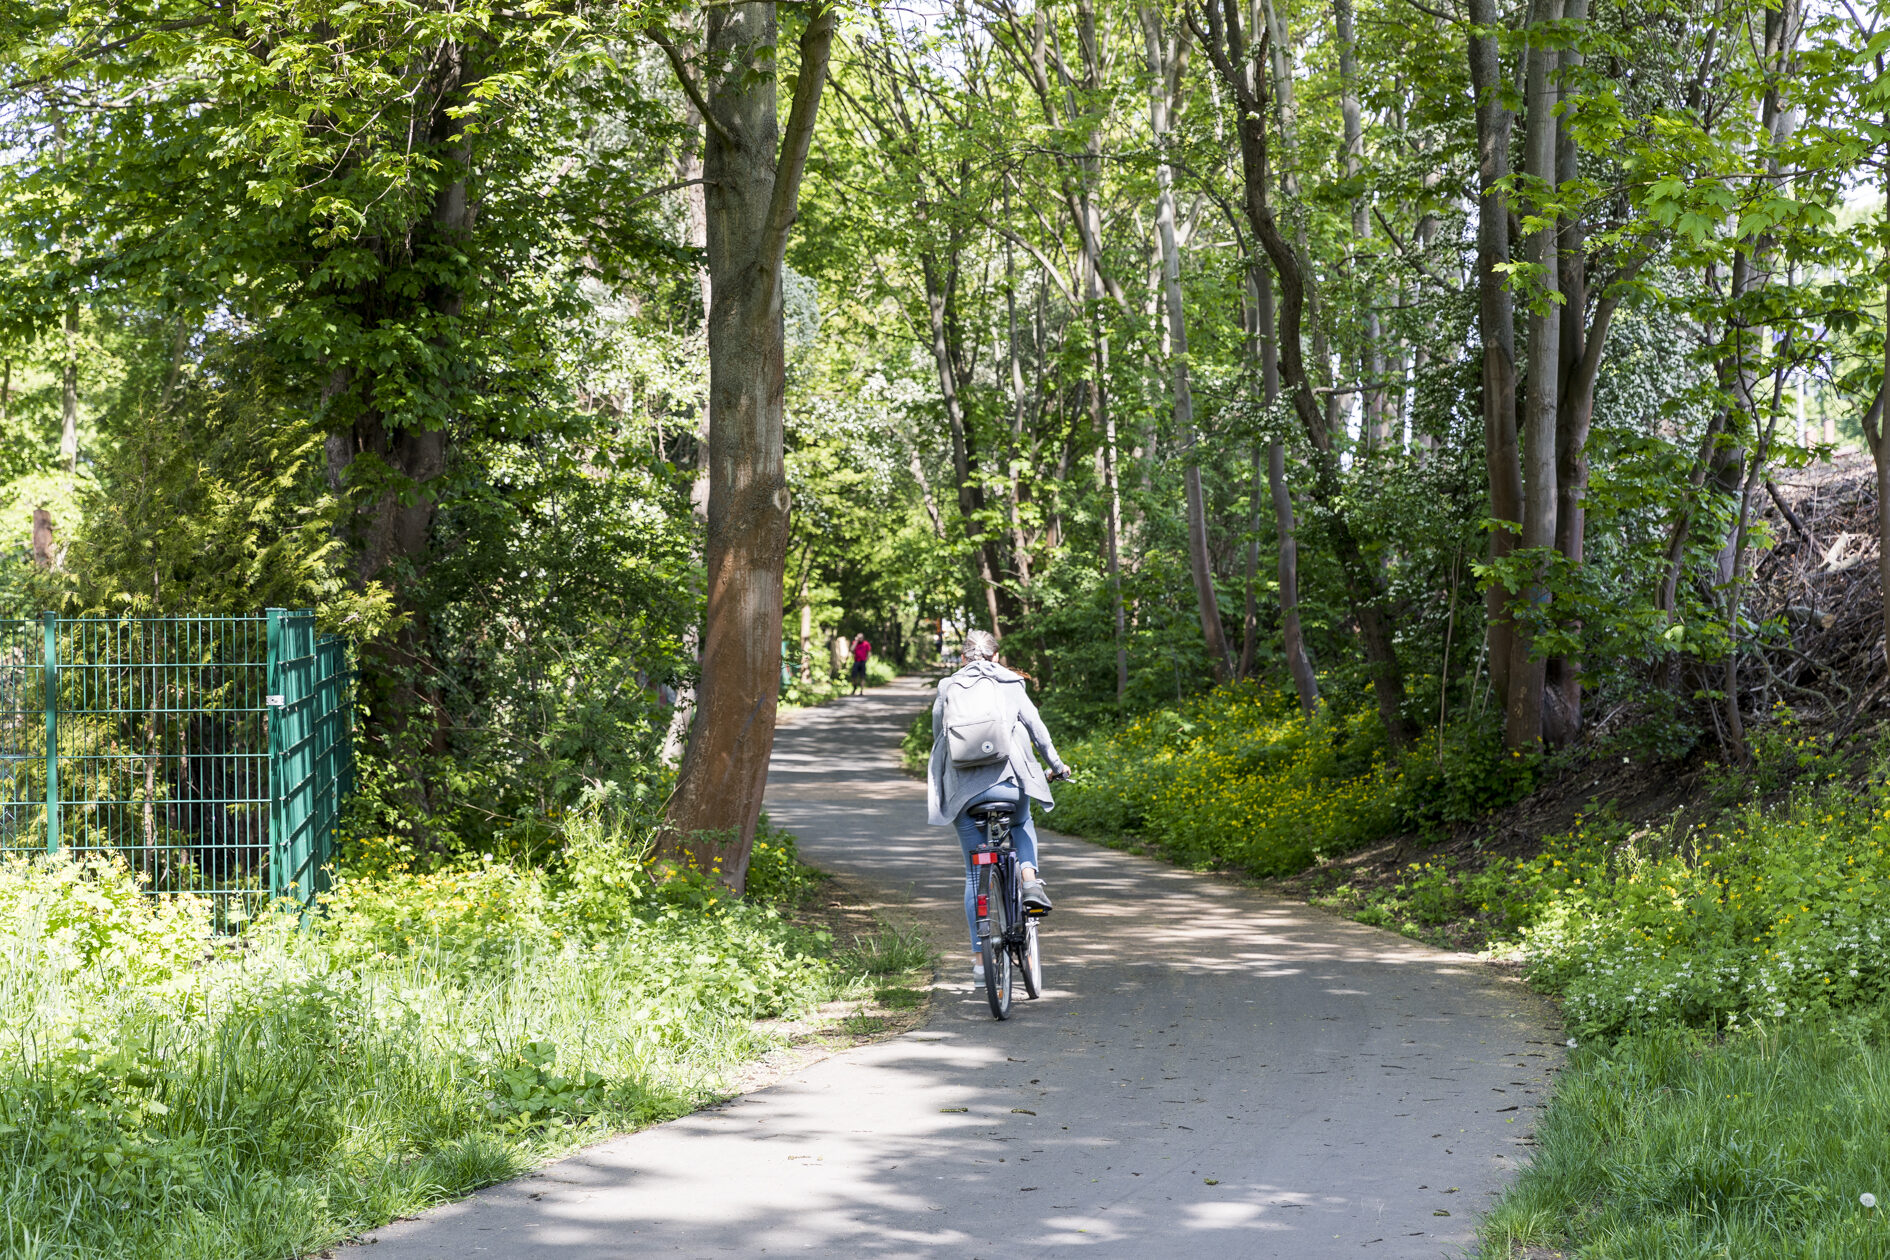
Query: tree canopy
x=1431, y=360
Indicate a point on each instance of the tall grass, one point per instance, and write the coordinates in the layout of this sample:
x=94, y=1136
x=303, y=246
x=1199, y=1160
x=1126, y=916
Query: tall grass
x=162, y=1096
x=1662, y=1146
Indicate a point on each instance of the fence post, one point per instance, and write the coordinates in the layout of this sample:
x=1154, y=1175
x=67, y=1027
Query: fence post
x=272, y=714
x=49, y=661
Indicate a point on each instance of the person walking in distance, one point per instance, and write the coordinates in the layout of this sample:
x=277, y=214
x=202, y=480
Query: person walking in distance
x=983, y=728
x=861, y=650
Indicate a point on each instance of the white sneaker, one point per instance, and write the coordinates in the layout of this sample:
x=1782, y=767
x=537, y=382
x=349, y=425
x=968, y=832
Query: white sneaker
x=977, y=972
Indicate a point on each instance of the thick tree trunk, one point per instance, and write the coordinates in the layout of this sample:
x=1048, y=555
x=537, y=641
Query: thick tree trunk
x=1575, y=407
x=1496, y=322
x=1207, y=601
x=753, y=186
x=1528, y=670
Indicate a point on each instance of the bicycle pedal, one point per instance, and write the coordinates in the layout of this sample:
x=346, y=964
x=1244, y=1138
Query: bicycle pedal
x=1036, y=912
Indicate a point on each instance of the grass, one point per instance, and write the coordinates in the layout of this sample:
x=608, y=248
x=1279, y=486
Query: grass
x=889, y=953
x=272, y=1095
x=1666, y=1146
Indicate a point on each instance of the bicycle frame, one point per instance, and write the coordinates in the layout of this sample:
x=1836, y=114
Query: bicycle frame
x=997, y=853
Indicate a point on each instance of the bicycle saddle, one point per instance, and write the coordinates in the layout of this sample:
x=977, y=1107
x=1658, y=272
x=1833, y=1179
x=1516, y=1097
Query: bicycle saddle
x=982, y=808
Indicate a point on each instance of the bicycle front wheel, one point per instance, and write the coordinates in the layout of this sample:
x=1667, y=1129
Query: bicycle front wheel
x=997, y=952
x=1032, y=961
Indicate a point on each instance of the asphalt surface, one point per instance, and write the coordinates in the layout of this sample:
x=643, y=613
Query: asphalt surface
x=1212, y=1072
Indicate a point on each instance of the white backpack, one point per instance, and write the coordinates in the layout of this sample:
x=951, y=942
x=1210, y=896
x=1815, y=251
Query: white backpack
x=978, y=719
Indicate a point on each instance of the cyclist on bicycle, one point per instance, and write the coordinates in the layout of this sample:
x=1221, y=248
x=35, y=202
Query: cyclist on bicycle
x=952, y=788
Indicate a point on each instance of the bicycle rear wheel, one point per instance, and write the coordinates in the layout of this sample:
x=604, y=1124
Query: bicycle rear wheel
x=997, y=954
x=1030, y=963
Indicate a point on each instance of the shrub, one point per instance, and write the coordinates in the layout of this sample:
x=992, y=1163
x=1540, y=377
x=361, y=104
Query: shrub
x=1238, y=777
x=1466, y=774
x=775, y=871
x=915, y=748
x=1768, y=914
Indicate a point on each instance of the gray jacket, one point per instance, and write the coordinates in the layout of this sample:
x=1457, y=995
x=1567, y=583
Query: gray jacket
x=949, y=788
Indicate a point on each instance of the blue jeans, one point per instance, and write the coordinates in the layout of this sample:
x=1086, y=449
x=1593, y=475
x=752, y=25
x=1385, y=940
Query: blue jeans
x=971, y=835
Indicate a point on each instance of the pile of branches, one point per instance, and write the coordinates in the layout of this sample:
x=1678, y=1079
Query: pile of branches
x=1815, y=593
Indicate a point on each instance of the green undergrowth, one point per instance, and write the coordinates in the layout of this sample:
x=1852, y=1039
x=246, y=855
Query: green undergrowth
x=915, y=747
x=164, y=1093
x=1772, y=911
x=1241, y=779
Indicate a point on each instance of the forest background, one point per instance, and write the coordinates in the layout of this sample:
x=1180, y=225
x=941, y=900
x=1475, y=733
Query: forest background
x=1431, y=364
x=1346, y=412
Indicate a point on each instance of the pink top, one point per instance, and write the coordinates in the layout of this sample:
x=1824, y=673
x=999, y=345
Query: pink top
x=862, y=650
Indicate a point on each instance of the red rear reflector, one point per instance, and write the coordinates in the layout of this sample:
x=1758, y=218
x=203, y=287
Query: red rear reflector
x=983, y=859
x=983, y=909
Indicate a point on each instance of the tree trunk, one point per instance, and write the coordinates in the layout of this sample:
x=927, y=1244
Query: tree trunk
x=1259, y=350
x=1020, y=544
x=42, y=538
x=805, y=670
x=1496, y=323
x=180, y=345
x=1874, y=438
x=1305, y=683
x=1207, y=601
x=1364, y=583
x=1089, y=226
x=1374, y=414
x=1100, y=416
x=1292, y=638
x=395, y=525
x=1527, y=669
x=964, y=455
x=69, y=411
x=1562, y=698
x=696, y=234
x=1777, y=123
x=753, y=187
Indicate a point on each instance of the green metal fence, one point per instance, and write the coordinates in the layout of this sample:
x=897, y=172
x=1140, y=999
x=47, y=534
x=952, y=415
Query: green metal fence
x=213, y=754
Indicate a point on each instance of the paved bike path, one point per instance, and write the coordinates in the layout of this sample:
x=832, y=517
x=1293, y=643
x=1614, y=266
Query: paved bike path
x=1213, y=1072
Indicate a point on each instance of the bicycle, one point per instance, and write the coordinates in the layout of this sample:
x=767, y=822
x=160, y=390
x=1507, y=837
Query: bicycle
x=1007, y=930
